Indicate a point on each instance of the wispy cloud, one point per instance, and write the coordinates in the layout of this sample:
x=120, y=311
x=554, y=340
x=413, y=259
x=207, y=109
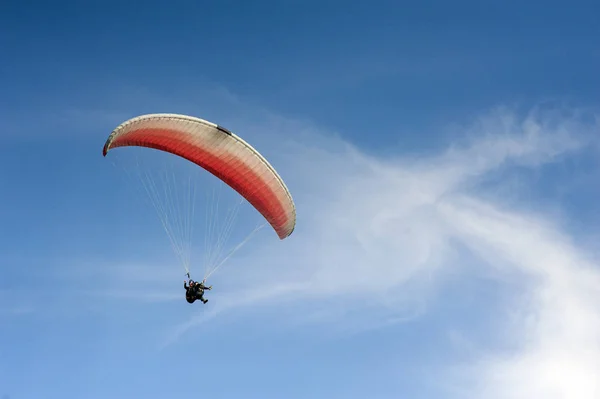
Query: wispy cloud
x=376, y=238
x=554, y=325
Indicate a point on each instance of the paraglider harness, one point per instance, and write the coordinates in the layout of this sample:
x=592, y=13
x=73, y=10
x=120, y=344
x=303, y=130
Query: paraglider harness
x=195, y=290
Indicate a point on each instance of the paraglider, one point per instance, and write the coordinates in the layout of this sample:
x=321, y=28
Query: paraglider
x=221, y=153
x=195, y=291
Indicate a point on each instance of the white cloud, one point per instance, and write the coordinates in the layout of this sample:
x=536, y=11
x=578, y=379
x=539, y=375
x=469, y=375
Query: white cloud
x=555, y=325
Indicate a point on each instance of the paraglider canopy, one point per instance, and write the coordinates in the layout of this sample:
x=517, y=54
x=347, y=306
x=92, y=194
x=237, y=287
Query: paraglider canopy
x=218, y=151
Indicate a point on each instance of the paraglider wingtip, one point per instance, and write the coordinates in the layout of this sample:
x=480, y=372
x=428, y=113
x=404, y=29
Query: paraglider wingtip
x=107, y=144
x=283, y=237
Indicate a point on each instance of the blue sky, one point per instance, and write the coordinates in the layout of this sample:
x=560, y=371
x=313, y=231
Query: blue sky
x=444, y=161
